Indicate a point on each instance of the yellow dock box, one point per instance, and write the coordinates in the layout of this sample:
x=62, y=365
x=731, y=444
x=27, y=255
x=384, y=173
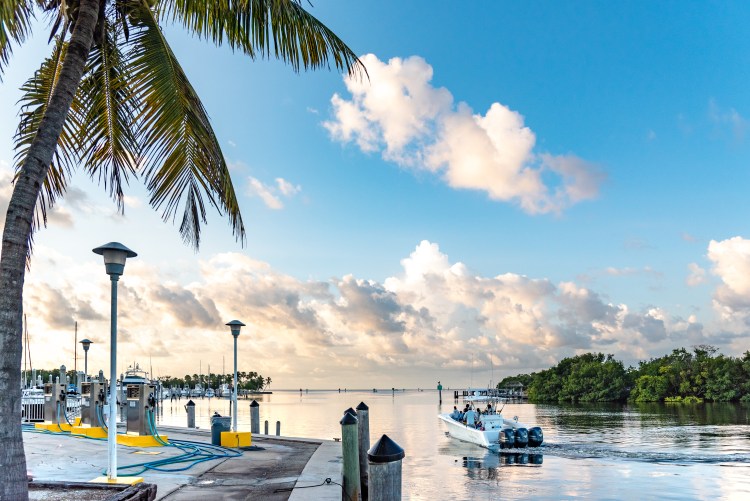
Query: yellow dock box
x=236, y=439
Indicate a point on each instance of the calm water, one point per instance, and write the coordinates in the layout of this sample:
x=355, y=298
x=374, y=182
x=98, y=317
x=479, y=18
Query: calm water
x=649, y=451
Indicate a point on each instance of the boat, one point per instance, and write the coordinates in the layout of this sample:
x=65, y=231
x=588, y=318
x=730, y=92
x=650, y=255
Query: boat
x=224, y=390
x=185, y=392
x=197, y=391
x=209, y=393
x=494, y=431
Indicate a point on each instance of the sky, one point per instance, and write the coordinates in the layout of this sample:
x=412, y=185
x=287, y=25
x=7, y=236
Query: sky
x=513, y=184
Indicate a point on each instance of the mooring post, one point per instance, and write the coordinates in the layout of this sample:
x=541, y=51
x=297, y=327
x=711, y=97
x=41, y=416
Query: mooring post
x=440, y=392
x=190, y=409
x=349, y=446
x=363, y=418
x=254, y=417
x=265, y=429
x=385, y=470
x=278, y=428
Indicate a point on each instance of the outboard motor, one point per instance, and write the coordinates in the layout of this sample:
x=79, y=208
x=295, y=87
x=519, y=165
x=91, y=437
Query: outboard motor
x=522, y=438
x=536, y=437
x=507, y=438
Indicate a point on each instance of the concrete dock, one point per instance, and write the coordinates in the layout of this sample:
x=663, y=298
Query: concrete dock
x=278, y=468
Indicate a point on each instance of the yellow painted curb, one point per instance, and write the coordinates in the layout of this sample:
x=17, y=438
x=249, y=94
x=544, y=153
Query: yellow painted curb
x=140, y=440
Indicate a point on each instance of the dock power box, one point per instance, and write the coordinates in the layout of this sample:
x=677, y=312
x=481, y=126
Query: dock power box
x=54, y=396
x=140, y=398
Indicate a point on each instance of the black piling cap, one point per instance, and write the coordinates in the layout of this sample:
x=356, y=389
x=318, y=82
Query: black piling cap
x=254, y=404
x=190, y=403
x=362, y=407
x=348, y=419
x=385, y=450
x=351, y=411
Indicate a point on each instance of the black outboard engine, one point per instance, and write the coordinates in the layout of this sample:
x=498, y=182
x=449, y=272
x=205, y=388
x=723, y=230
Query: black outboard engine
x=507, y=438
x=522, y=438
x=536, y=437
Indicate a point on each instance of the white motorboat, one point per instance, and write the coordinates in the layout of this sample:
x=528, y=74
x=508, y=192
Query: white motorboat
x=197, y=391
x=490, y=429
x=209, y=393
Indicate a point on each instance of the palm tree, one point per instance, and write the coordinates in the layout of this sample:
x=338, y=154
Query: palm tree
x=113, y=99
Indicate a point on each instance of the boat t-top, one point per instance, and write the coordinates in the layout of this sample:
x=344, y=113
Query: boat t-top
x=480, y=422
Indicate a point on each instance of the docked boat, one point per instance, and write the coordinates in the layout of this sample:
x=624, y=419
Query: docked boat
x=489, y=429
x=197, y=391
x=209, y=393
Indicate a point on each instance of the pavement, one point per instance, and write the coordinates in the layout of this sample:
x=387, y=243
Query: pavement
x=278, y=468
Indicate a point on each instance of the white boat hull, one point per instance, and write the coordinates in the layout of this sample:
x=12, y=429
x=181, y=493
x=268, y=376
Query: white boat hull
x=489, y=439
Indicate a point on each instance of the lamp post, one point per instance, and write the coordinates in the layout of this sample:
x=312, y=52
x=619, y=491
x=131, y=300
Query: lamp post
x=114, y=254
x=86, y=344
x=235, y=326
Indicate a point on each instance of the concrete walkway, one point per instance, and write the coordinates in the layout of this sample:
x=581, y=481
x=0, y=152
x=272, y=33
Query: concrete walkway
x=280, y=468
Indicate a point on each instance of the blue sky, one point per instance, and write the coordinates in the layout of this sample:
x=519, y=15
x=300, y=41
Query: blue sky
x=645, y=104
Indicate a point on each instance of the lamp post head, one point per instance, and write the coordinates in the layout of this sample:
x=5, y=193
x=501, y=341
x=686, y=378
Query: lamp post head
x=235, y=326
x=114, y=254
x=86, y=343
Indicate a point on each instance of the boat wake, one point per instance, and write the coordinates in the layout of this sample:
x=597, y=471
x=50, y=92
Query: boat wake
x=584, y=451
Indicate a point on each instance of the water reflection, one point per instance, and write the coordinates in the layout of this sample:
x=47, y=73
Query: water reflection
x=487, y=466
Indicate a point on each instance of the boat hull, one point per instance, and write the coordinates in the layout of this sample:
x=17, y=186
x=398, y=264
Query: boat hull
x=489, y=439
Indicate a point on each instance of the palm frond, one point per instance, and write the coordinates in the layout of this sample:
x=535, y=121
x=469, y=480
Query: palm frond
x=265, y=28
x=37, y=93
x=109, y=146
x=181, y=155
x=15, y=26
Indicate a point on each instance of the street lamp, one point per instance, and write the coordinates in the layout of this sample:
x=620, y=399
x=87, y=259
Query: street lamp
x=115, y=254
x=86, y=344
x=235, y=326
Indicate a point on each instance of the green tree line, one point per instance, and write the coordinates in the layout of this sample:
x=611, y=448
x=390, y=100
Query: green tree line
x=699, y=375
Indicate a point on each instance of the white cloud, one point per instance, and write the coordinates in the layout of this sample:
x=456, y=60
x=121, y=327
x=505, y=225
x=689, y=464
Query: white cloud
x=257, y=188
x=286, y=188
x=399, y=113
x=435, y=315
x=271, y=194
x=731, y=263
x=697, y=275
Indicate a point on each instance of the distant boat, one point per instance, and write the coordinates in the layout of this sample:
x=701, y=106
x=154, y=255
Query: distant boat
x=209, y=393
x=197, y=391
x=374, y=390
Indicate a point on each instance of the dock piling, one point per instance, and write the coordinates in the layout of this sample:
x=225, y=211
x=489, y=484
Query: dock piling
x=265, y=429
x=363, y=424
x=254, y=417
x=190, y=409
x=349, y=446
x=278, y=428
x=385, y=470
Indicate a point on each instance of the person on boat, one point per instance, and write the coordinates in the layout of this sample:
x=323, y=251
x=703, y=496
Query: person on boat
x=489, y=408
x=470, y=418
x=456, y=414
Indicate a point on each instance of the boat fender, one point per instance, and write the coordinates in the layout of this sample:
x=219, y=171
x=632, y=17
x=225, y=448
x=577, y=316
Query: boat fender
x=522, y=438
x=536, y=437
x=507, y=438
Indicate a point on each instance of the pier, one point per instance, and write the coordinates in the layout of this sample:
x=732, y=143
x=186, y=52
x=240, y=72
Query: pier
x=275, y=468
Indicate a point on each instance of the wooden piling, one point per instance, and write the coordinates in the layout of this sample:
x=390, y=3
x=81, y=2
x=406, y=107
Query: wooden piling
x=349, y=446
x=265, y=429
x=363, y=425
x=385, y=470
x=190, y=409
x=254, y=417
x=278, y=428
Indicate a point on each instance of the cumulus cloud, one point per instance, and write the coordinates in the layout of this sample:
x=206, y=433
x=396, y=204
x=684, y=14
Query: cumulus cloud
x=727, y=119
x=731, y=264
x=398, y=113
x=271, y=195
x=435, y=315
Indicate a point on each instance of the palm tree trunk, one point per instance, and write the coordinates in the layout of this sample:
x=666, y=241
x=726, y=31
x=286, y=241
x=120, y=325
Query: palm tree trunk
x=15, y=247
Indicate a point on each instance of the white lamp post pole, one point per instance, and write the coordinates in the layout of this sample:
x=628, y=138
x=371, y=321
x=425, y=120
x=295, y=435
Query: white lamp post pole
x=115, y=255
x=235, y=326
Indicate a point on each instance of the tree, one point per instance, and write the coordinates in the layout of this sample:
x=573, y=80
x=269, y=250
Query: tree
x=113, y=99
